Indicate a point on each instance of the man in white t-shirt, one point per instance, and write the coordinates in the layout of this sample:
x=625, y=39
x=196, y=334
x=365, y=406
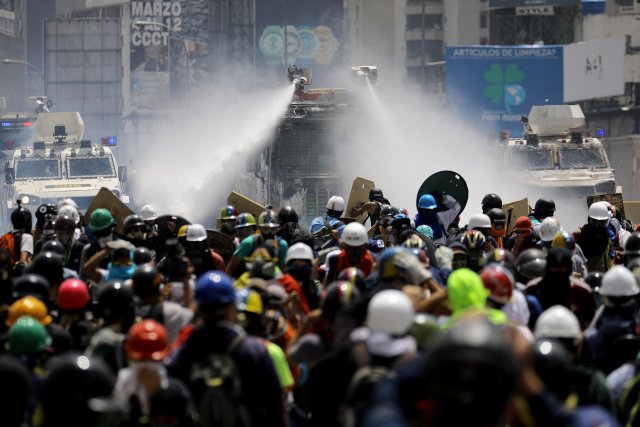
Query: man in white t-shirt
x=22, y=225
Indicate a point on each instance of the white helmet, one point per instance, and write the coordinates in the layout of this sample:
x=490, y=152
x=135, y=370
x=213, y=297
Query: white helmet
x=598, y=211
x=619, y=282
x=390, y=311
x=354, y=234
x=557, y=322
x=335, y=203
x=549, y=228
x=479, y=221
x=196, y=233
x=148, y=213
x=299, y=251
x=69, y=211
x=67, y=202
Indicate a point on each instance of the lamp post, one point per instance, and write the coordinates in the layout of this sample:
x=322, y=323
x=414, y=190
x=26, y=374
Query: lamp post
x=184, y=45
x=34, y=70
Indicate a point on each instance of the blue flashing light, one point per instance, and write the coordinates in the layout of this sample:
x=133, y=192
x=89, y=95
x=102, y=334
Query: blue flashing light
x=5, y=124
x=110, y=141
x=601, y=133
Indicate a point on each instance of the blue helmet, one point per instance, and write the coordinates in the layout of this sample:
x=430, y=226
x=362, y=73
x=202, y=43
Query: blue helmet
x=427, y=202
x=215, y=288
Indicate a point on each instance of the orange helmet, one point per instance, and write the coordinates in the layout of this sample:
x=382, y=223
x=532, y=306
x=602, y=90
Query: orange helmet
x=29, y=306
x=147, y=340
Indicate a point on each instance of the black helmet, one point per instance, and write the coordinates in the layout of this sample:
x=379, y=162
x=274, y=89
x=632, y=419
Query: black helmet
x=287, y=214
x=497, y=216
x=337, y=296
x=530, y=264
x=64, y=223
x=142, y=255
x=21, y=219
x=53, y=246
x=74, y=380
x=632, y=245
x=42, y=212
x=132, y=221
x=553, y=365
x=31, y=284
x=355, y=276
x=16, y=391
x=491, y=201
x=49, y=265
x=388, y=211
x=470, y=374
x=594, y=280
x=545, y=205
x=146, y=281
x=376, y=194
x=115, y=300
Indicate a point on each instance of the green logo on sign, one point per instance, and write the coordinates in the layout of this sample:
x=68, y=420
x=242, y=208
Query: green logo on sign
x=503, y=88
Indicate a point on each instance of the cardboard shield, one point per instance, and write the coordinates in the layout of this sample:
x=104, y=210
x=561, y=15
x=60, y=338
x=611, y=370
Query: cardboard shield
x=515, y=210
x=168, y=226
x=107, y=200
x=632, y=211
x=445, y=182
x=221, y=243
x=359, y=194
x=243, y=204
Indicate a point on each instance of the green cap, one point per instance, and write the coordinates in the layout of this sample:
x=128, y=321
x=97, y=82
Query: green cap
x=27, y=336
x=100, y=219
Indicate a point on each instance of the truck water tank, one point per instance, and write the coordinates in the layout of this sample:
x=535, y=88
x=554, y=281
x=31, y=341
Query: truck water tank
x=552, y=120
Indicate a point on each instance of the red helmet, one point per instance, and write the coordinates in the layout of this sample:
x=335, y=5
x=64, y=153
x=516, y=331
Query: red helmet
x=73, y=295
x=147, y=340
x=499, y=282
x=523, y=223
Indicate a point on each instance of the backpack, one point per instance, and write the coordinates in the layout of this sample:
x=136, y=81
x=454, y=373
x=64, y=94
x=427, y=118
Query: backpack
x=217, y=389
x=11, y=241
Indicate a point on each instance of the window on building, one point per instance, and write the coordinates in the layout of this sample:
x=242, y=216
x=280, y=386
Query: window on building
x=431, y=22
x=483, y=19
x=433, y=49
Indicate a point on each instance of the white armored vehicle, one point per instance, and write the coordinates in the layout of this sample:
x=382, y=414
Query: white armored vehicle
x=60, y=164
x=557, y=156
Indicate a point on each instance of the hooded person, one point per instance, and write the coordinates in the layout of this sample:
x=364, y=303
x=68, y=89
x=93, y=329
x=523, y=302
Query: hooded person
x=498, y=228
x=467, y=294
x=522, y=237
x=594, y=238
x=558, y=287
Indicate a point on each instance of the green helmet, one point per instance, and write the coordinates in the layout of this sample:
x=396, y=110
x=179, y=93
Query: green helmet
x=100, y=219
x=27, y=336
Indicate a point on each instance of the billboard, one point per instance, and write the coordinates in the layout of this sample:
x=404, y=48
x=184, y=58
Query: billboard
x=166, y=49
x=314, y=36
x=594, y=69
x=495, y=85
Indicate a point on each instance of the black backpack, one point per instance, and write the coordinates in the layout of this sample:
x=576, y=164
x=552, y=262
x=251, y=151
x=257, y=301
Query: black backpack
x=365, y=379
x=217, y=389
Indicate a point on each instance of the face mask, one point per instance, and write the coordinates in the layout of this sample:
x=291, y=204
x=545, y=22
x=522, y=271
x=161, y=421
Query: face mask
x=459, y=262
x=244, y=232
x=137, y=235
x=122, y=272
x=102, y=241
x=301, y=274
x=65, y=239
x=495, y=232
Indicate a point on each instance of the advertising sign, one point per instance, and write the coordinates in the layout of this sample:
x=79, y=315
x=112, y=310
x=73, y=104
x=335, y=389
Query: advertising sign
x=313, y=35
x=494, y=86
x=516, y=3
x=594, y=69
x=168, y=47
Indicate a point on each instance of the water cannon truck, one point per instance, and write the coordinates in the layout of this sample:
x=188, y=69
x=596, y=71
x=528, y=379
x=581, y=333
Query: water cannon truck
x=54, y=162
x=557, y=155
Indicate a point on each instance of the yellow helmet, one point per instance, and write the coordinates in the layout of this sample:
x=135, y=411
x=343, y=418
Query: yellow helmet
x=182, y=232
x=29, y=306
x=248, y=300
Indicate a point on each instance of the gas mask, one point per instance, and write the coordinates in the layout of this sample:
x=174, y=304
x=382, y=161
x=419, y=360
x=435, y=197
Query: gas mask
x=261, y=268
